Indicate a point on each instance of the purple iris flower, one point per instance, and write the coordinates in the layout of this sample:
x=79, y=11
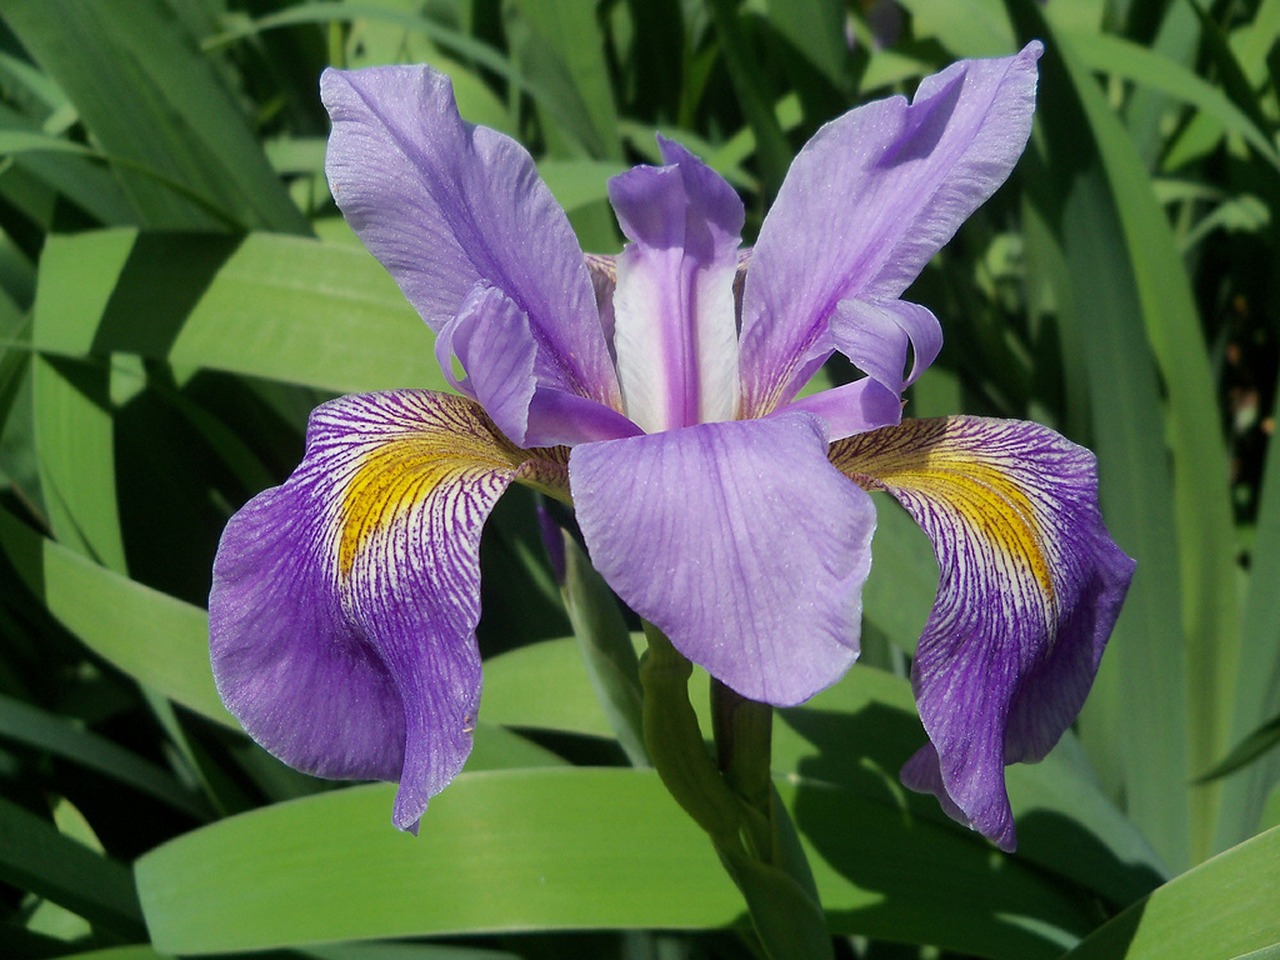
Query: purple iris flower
x=656, y=392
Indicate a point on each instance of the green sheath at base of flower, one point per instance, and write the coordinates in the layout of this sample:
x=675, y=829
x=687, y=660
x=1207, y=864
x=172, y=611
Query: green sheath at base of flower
x=733, y=799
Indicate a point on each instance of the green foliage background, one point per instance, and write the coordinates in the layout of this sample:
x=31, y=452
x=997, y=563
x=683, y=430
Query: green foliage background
x=177, y=291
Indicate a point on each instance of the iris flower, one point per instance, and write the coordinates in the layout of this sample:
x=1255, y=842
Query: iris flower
x=656, y=391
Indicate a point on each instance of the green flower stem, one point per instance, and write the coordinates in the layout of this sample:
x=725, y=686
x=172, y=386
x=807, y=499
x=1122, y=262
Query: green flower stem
x=675, y=745
x=733, y=799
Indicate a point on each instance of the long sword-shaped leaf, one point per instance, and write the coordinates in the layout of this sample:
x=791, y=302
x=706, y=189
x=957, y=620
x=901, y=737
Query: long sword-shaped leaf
x=572, y=849
x=1220, y=910
x=284, y=308
x=1094, y=161
x=145, y=93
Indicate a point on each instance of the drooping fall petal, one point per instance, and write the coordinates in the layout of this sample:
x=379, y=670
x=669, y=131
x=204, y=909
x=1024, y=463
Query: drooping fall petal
x=740, y=541
x=345, y=601
x=1030, y=586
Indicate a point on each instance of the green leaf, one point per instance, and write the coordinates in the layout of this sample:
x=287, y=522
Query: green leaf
x=816, y=28
x=145, y=94
x=1219, y=910
x=156, y=639
x=559, y=46
x=578, y=183
x=606, y=648
x=773, y=154
x=75, y=447
x=1251, y=748
x=320, y=314
x=26, y=724
x=856, y=735
x=1120, y=58
x=573, y=849
x=1257, y=695
x=1119, y=248
x=35, y=857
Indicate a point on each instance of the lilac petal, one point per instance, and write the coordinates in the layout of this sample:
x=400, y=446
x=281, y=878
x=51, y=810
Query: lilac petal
x=491, y=339
x=444, y=205
x=675, y=328
x=867, y=202
x=344, y=602
x=1030, y=586
x=740, y=541
x=876, y=336
x=490, y=336
x=851, y=408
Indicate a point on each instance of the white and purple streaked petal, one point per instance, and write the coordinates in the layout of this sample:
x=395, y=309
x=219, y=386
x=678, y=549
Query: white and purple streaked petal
x=444, y=205
x=675, y=329
x=876, y=336
x=740, y=541
x=1030, y=586
x=867, y=202
x=344, y=602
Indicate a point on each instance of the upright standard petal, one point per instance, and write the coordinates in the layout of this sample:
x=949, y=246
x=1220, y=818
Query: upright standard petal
x=675, y=326
x=1030, y=586
x=867, y=202
x=344, y=602
x=740, y=541
x=444, y=205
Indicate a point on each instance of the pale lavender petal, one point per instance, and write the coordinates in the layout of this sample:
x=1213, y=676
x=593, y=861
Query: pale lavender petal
x=557, y=417
x=675, y=329
x=740, y=541
x=851, y=407
x=344, y=602
x=867, y=202
x=490, y=337
x=876, y=336
x=1030, y=586
x=444, y=205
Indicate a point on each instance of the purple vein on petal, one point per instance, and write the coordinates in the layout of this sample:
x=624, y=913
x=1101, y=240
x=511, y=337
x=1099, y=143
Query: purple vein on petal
x=344, y=602
x=1030, y=586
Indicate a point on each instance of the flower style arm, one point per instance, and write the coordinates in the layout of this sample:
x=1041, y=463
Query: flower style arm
x=1030, y=586
x=345, y=601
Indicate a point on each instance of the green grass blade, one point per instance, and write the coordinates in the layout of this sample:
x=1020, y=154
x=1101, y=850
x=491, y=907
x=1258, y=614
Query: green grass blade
x=75, y=447
x=857, y=735
x=1144, y=268
x=23, y=723
x=1257, y=695
x=1119, y=58
x=559, y=46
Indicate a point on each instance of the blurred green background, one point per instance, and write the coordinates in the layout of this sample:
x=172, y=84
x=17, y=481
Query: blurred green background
x=177, y=291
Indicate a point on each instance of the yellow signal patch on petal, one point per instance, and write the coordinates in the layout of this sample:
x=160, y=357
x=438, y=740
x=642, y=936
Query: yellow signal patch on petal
x=970, y=471
x=441, y=445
